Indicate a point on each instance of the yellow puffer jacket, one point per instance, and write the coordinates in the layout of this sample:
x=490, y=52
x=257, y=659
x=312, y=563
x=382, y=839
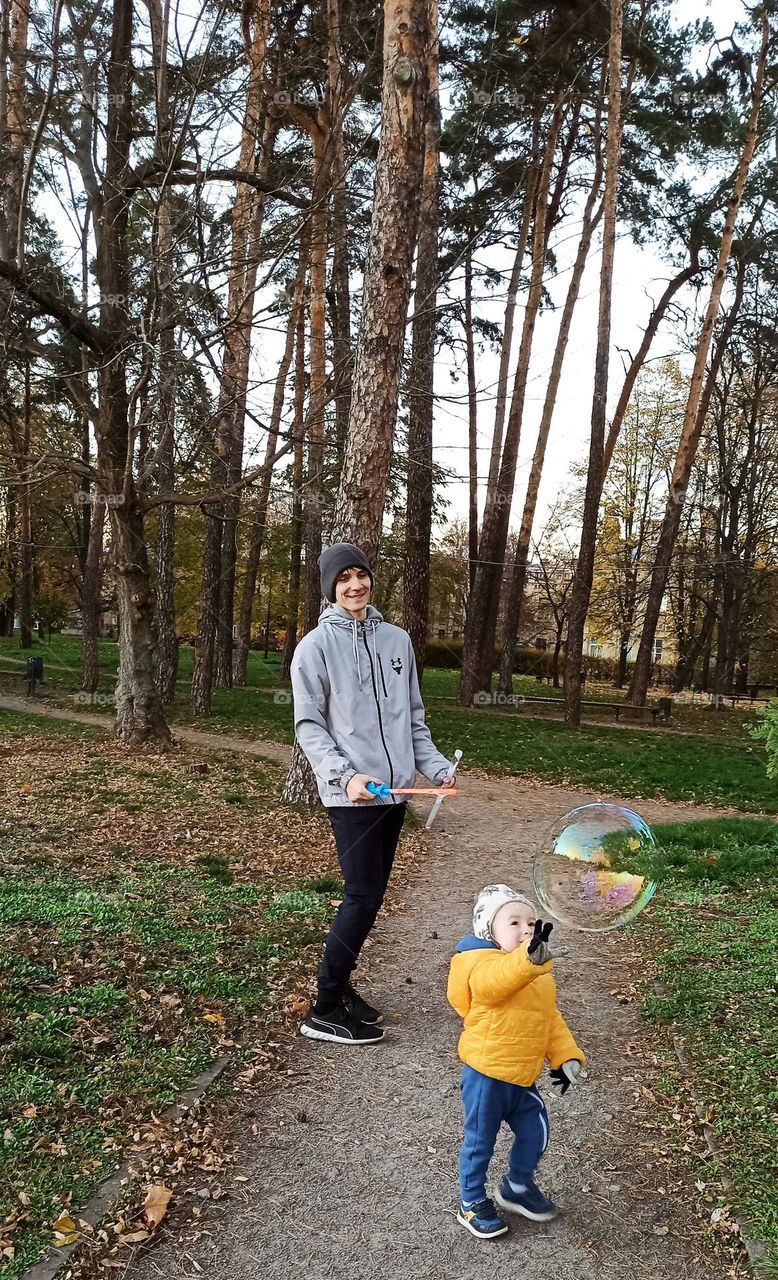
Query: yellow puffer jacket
x=509, y=1006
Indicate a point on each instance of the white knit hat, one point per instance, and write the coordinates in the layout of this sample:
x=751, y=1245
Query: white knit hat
x=488, y=903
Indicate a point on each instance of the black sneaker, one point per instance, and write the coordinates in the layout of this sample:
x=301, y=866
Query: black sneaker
x=360, y=1009
x=341, y=1026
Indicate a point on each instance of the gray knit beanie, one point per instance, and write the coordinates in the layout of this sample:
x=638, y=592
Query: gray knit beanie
x=333, y=560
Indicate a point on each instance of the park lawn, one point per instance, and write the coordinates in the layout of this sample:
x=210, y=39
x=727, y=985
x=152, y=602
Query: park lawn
x=711, y=940
x=720, y=764
x=612, y=761
x=145, y=929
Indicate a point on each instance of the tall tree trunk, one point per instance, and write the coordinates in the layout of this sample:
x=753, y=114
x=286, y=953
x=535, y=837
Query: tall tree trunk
x=472, y=427
x=312, y=502
x=91, y=592
x=21, y=459
x=582, y=583
x=224, y=625
x=139, y=715
x=387, y=285
x=692, y=425
x=342, y=355
x=13, y=125
x=418, y=510
x=293, y=600
x=519, y=573
x=165, y=621
x=260, y=510
x=239, y=311
x=501, y=398
x=483, y=606
x=699, y=645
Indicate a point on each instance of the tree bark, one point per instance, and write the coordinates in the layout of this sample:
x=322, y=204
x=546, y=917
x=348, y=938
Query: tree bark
x=519, y=574
x=692, y=425
x=139, y=715
x=14, y=124
x=483, y=606
x=582, y=583
x=387, y=284
x=418, y=510
x=293, y=603
x=472, y=426
x=507, y=335
x=224, y=625
x=228, y=437
x=165, y=621
x=399, y=171
x=260, y=510
x=342, y=355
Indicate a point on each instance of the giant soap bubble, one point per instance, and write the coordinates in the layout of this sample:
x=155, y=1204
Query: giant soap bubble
x=596, y=868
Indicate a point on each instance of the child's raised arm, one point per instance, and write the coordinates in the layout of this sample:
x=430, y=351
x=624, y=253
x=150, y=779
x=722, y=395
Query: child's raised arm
x=492, y=981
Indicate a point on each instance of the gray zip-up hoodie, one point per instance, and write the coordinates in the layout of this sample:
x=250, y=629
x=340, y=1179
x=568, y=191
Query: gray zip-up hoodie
x=357, y=706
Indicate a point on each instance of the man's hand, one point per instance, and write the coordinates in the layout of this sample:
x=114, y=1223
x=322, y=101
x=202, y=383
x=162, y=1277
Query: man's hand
x=569, y=1072
x=538, y=950
x=355, y=787
x=447, y=782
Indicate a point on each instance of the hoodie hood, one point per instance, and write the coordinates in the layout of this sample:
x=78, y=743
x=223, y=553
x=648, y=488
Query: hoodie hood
x=337, y=616
x=471, y=943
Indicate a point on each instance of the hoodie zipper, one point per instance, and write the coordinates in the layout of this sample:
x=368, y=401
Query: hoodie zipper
x=378, y=705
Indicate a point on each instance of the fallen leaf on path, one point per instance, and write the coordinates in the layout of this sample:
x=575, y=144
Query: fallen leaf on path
x=156, y=1203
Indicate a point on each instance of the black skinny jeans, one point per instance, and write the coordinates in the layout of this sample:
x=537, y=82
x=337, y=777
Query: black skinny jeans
x=366, y=841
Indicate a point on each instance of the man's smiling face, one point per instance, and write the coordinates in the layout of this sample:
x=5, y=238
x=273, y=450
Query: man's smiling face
x=352, y=591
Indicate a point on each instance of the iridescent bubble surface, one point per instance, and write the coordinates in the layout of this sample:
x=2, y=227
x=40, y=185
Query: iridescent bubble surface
x=596, y=868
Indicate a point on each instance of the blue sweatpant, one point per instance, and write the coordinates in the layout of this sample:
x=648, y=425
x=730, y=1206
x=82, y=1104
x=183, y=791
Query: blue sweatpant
x=487, y=1104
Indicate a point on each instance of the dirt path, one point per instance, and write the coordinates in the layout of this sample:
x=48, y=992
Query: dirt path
x=278, y=752
x=353, y=1171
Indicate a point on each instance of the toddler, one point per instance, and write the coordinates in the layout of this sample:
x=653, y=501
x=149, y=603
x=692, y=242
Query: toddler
x=500, y=983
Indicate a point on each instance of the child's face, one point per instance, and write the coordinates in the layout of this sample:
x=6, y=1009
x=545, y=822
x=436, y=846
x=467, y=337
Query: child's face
x=513, y=924
x=352, y=589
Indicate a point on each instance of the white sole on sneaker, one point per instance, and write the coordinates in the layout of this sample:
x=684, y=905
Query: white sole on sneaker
x=525, y=1213
x=313, y=1033
x=481, y=1235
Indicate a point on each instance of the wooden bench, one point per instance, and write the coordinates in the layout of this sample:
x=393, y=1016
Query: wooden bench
x=615, y=707
x=734, y=698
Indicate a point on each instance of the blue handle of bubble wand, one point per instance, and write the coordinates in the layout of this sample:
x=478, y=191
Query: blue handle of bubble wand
x=379, y=789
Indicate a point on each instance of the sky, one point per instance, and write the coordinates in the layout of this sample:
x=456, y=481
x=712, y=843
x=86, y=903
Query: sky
x=640, y=275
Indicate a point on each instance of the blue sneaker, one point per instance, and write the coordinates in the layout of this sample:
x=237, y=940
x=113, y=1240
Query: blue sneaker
x=482, y=1220
x=530, y=1203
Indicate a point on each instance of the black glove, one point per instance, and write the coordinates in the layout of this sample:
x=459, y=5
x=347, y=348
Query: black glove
x=566, y=1075
x=537, y=947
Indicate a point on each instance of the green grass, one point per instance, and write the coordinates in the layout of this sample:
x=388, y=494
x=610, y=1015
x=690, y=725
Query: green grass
x=717, y=764
x=615, y=761
x=105, y=984
x=713, y=937
x=148, y=923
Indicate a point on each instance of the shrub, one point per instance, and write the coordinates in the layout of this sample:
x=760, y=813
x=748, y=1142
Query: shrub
x=766, y=730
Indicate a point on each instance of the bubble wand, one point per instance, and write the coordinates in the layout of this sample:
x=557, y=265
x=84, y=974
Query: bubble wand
x=452, y=769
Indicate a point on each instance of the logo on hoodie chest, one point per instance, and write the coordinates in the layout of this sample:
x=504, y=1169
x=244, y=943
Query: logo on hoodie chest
x=397, y=665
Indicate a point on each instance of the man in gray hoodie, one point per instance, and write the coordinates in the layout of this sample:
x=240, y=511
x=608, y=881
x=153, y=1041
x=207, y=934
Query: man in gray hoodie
x=359, y=718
